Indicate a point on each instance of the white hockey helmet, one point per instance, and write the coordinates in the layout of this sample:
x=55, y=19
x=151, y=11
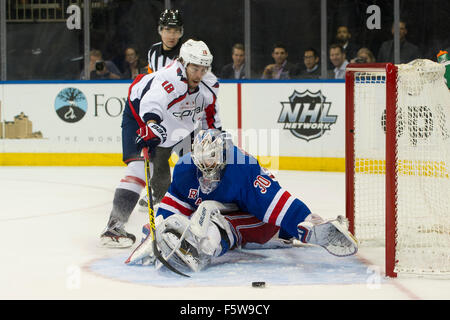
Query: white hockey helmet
x=196, y=52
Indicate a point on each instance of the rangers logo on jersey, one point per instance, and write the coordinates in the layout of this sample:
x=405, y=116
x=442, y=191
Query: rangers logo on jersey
x=193, y=194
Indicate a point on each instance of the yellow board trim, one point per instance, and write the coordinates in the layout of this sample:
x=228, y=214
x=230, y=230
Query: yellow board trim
x=425, y=168
x=61, y=159
x=303, y=163
x=115, y=159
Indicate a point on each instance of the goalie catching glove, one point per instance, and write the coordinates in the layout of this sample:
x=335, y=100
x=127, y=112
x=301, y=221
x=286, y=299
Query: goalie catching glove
x=188, y=243
x=332, y=235
x=150, y=136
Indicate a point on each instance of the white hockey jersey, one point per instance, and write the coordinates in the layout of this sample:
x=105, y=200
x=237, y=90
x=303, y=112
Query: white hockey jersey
x=164, y=96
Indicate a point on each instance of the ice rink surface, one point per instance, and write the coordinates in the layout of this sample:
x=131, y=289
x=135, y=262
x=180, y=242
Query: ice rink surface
x=51, y=219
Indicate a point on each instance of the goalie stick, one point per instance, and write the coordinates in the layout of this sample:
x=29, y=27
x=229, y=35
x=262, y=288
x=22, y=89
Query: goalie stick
x=151, y=216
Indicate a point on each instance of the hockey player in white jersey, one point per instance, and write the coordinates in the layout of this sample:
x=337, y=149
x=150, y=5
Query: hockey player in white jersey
x=162, y=109
x=220, y=199
x=160, y=55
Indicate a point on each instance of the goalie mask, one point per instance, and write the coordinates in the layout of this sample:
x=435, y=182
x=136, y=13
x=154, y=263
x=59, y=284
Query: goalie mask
x=209, y=152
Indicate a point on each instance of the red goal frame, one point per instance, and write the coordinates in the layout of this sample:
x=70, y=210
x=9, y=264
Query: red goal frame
x=391, y=72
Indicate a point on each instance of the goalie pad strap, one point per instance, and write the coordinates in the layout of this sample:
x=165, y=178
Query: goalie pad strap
x=225, y=242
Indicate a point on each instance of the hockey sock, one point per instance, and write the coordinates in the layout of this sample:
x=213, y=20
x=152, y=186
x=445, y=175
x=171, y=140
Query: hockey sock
x=160, y=179
x=123, y=205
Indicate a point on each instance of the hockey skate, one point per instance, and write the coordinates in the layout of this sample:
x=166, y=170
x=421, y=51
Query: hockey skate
x=143, y=204
x=332, y=235
x=115, y=236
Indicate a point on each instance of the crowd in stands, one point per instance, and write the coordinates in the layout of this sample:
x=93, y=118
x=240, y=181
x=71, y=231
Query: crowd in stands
x=342, y=51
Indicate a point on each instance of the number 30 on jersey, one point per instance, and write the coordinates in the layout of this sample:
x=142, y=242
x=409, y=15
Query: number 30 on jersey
x=262, y=183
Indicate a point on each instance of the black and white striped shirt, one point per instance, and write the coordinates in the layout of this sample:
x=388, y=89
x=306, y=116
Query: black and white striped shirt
x=158, y=58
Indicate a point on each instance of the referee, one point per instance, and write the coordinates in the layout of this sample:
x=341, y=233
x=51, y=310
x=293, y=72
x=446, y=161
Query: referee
x=171, y=30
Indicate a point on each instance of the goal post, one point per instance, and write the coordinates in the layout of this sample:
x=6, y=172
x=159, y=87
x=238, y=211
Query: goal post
x=397, y=163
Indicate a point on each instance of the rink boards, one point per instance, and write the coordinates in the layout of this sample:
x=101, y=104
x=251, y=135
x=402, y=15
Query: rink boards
x=288, y=125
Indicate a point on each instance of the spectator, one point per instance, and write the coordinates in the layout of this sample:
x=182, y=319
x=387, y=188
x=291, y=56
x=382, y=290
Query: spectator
x=408, y=51
x=364, y=55
x=171, y=30
x=281, y=69
x=101, y=69
x=343, y=37
x=311, y=61
x=133, y=64
x=236, y=69
x=339, y=61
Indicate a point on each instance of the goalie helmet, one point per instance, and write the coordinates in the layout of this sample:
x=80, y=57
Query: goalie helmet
x=209, y=153
x=196, y=52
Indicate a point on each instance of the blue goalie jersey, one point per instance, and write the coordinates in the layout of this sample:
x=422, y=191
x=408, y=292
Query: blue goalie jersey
x=243, y=183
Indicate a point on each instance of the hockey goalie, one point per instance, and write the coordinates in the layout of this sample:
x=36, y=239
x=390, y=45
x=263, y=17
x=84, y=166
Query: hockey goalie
x=220, y=199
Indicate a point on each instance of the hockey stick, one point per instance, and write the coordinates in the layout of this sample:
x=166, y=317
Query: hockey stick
x=151, y=216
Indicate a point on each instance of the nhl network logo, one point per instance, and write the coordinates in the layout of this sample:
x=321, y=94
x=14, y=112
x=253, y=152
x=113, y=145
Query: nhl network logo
x=70, y=105
x=306, y=115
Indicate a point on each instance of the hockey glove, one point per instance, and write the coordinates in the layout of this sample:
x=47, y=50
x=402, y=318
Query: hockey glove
x=150, y=136
x=332, y=235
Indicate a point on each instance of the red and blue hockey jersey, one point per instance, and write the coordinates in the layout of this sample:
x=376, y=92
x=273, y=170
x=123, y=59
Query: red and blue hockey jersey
x=243, y=183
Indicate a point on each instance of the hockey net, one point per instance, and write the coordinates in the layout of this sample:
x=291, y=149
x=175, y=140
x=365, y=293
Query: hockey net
x=398, y=163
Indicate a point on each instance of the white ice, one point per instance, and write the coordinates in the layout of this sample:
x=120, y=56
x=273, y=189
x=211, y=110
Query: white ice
x=51, y=219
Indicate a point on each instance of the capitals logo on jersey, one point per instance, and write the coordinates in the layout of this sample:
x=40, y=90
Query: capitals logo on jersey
x=188, y=109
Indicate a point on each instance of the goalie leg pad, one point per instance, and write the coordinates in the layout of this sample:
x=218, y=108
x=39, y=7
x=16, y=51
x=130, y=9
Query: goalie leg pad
x=144, y=252
x=179, y=252
x=194, y=242
x=178, y=245
x=213, y=231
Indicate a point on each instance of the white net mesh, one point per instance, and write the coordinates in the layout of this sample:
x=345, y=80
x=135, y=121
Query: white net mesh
x=423, y=159
x=370, y=100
